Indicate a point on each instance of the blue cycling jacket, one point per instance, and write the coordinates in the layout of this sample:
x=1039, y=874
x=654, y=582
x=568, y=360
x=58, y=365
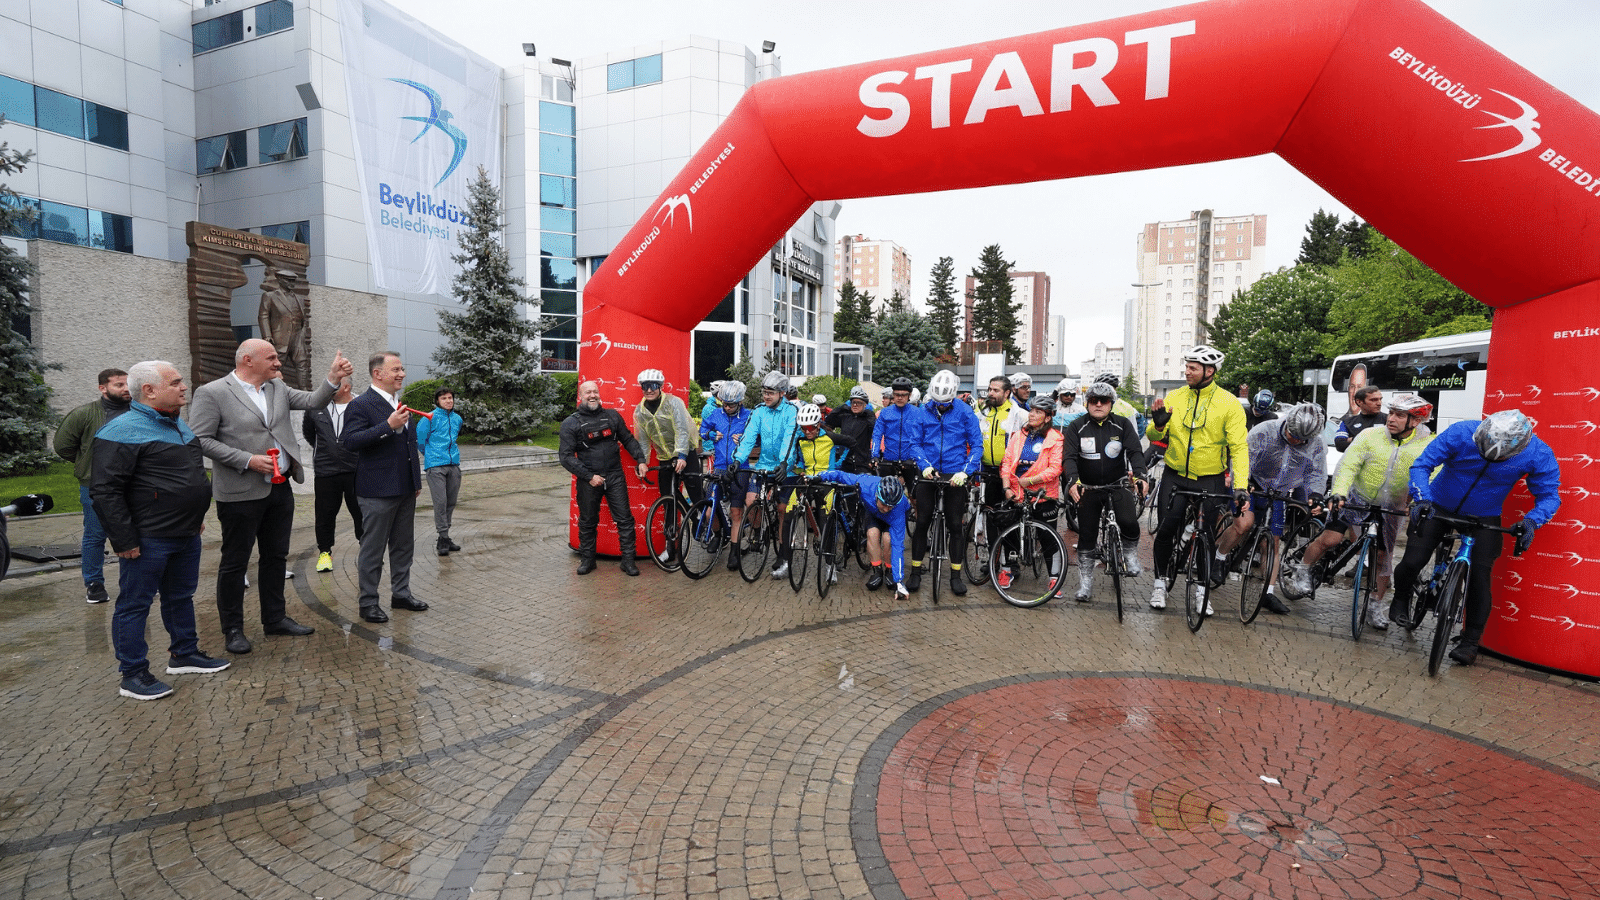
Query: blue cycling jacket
x=896, y=431
x=951, y=441
x=722, y=434
x=774, y=430
x=894, y=520
x=1469, y=485
x=437, y=439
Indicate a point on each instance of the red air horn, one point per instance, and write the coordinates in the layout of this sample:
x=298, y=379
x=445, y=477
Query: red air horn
x=418, y=412
x=277, y=474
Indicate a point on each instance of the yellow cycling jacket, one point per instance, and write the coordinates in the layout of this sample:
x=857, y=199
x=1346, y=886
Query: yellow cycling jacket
x=998, y=423
x=1376, y=468
x=1206, y=434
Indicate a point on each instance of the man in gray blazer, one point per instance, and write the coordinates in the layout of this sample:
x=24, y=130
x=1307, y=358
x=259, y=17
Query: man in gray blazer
x=239, y=418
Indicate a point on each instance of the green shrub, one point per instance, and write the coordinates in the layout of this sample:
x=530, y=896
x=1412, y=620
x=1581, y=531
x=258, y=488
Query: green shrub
x=837, y=390
x=419, y=394
x=566, y=391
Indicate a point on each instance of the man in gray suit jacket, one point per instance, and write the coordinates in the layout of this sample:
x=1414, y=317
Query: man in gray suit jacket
x=239, y=418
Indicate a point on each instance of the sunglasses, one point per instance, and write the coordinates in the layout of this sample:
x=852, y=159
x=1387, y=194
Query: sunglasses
x=1097, y=401
x=649, y=386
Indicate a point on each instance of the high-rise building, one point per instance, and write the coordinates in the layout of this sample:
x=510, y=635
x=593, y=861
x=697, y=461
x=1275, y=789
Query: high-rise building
x=1055, y=348
x=1032, y=291
x=1106, y=361
x=1188, y=271
x=880, y=268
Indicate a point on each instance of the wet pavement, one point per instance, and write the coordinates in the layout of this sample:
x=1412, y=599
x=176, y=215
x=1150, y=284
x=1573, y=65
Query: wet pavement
x=540, y=734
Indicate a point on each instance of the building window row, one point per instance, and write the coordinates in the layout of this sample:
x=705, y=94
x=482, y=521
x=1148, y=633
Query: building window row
x=39, y=107
x=52, y=221
x=299, y=232
x=558, y=242
x=633, y=73
x=266, y=18
x=278, y=142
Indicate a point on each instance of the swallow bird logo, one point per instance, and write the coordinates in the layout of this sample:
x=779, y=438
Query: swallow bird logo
x=1567, y=620
x=1525, y=125
x=1588, y=393
x=670, y=207
x=600, y=340
x=1583, y=458
x=1577, y=493
x=1513, y=579
x=1499, y=396
x=1514, y=608
x=1533, y=391
x=1572, y=557
x=437, y=117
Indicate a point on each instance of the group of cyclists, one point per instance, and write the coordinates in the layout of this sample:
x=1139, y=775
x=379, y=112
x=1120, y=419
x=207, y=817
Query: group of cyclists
x=1076, y=451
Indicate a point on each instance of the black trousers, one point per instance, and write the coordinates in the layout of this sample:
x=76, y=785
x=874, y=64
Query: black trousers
x=331, y=491
x=667, y=477
x=615, y=493
x=1172, y=513
x=247, y=525
x=1486, y=547
x=955, y=508
x=1090, y=509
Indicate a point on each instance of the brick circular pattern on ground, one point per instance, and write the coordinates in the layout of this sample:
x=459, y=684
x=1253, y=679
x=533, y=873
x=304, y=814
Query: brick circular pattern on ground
x=1139, y=787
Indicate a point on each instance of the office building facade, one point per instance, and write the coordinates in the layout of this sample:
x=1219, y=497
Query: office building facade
x=880, y=268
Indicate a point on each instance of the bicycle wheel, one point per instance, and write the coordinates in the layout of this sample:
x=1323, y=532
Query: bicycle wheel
x=1366, y=585
x=661, y=532
x=755, y=544
x=1257, y=572
x=1027, y=562
x=976, y=564
x=832, y=554
x=799, y=546
x=937, y=551
x=1451, y=597
x=1151, y=510
x=701, y=539
x=1111, y=553
x=1196, y=571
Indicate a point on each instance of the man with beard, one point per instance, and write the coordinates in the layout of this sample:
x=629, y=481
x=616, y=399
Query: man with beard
x=75, y=442
x=592, y=440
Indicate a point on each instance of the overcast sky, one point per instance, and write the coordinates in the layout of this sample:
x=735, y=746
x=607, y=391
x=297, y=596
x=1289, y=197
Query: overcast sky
x=1080, y=231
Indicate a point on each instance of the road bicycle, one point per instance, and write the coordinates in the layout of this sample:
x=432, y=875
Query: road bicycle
x=1261, y=555
x=763, y=521
x=1028, y=558
x=976, y=523
x=1192, y=556
x=1149, y=508
x=662, y=522
x=1109, y=546
x=842, y=534
x=1366, y=549
x=938, y=536
x=1445, y=591
x=706, y=528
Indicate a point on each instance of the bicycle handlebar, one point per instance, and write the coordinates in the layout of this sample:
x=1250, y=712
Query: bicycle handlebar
x=1521, y=531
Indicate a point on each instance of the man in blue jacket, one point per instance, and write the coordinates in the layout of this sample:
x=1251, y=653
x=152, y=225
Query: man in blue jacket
x=887, y=506
x=722, y=428
x=441, y=463
x=895, y=433
x=949, y=449
x=772, y=429
x=1479, y=463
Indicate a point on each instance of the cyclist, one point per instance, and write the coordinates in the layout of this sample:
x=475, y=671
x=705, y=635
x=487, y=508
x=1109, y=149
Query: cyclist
x=723, y=428
x=1259, y=409
x=1121, y=407
x=821, y=402
x=999, y=418
x=887, y=506
x=1479, y=463
x=663, y=420
x=1375, y=471
x=711, y=403
x=771, y=429
x=791, y=395
x=1369, y=403
x=1099, y=448
x=1067, y=405
x=1021, y=388
x=816, y=450
x=896, y=431
x=1203, y=427
x=1286, y=456
x=950, y=444
x=886, y=399
x=854, y=421
x=1033, y=464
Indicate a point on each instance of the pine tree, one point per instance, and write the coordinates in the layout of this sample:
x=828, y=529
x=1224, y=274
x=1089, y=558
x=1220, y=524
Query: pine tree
x=487, y=355
x=866, y=315
x=25, y=416
x=1321, y=246
x=847, y=315
x=994, y=316
x=903, y=343
x=897, y=303
x=944, y=309
x=1353, y=237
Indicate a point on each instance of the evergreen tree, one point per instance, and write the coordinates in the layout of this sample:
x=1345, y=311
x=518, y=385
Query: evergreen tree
x=25, y=416
x=488, y=352
x=1353, y=236
x=866, y=315
x=847, y=315
x=903, y=343
x=1322, y=245
x=897, y=303
x=994, y=316
x=944, y=309
x=743, y=371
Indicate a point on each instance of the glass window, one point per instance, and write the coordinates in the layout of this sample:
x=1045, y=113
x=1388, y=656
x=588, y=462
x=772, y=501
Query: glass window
x=563, y=327
x=557, y=191
x=285, y=140
x=274, y=15
x=647, y=69
x=58, y=112
x=553, y=219
x=299, y=232
x=557, y=118
x=110, y=231
x=219, y=154
x=25, y=228
x=724, y=309
x=619, y=76
x=558, y=303
x=106, y=126
x=63, y=223
x=562, y=245
x=218, y=32
x=558, y=154
x=16, y=101
x=561, y=274
x=560, y=356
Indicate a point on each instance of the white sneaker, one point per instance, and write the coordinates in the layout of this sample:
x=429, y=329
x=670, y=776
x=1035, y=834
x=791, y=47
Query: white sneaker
x=1158, y=595
x=1209, y=610
x=780, y=570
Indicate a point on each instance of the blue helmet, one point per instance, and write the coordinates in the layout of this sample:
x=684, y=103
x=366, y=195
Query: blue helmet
x=1262, y=404
x=891, y=490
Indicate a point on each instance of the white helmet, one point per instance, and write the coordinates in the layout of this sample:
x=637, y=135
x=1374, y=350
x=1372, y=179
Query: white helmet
x=1021, y=378
x=818, y=399
x=775, y=381
x=859, y=393
x=1205, y=355
x=731, y=392
x=916, y=396
x=1067, y=386
x=652, y=375
x=943, y=387
x=808, y=415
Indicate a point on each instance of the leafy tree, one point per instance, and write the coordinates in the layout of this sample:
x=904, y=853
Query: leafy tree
x=903, y=343
x=1277, y=328
x=489, y=349
x=25, y=416
x=1221, y=330
x=944, y=308
x=837, y=390
x=1460, y=325
x=994, y=316
x=847, y=314
x=1322, y=245
x=1389, y=296
x=1353, y=235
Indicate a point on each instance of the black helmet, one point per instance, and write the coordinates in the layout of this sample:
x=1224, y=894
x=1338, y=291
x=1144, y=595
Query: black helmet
x=1263, y=401
x=902, y=384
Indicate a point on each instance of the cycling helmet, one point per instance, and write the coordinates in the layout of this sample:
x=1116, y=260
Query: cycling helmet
x=649, y=376
x=1043, y=404
x=1205, y=355
x=888, y=394
x=1503, y=435
x=1067, y=386
x=891, y=490
x=1020, y=379
x=775, y=381
x=1108, y=378
x=809, y=415
x=1304, y=421
x=916, y=396
x=731, y=392
x=792, y=392
x=1100, y=390
x=859, y=393
x=1262, y=404
x=818, y=399
x=943, y=387
x=902, y=384
x=1411, y=405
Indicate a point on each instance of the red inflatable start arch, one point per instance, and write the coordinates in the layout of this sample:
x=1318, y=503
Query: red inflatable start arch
x=1407, y=119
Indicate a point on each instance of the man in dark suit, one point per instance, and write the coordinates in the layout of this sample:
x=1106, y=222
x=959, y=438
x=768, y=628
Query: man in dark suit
x=239, y=418
x=388, y=480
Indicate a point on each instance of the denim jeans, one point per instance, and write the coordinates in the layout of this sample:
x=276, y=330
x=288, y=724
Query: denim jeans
x=170, y=567
x=94, y=541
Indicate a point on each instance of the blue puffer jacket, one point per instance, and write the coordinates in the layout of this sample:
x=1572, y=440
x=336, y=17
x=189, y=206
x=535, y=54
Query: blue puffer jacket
x=723, y=433
x=895, y=518
x=437, y=438
x=896, y=431
x=1464, y=469
x=775, y=431
x=952, y=440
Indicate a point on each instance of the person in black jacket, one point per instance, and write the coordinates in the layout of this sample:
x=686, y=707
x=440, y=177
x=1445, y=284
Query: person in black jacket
x=388, y=479
x=151, y=494
x=1099, y=448
x=333, y=470
x=1369, y=412
x=591, y=446
x=854, y=420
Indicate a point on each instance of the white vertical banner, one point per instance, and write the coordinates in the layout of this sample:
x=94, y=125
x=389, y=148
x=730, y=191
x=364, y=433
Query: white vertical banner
x=424, y=115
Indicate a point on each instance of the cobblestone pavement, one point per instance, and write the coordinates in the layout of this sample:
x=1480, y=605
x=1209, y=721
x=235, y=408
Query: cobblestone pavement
x=540, y=734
